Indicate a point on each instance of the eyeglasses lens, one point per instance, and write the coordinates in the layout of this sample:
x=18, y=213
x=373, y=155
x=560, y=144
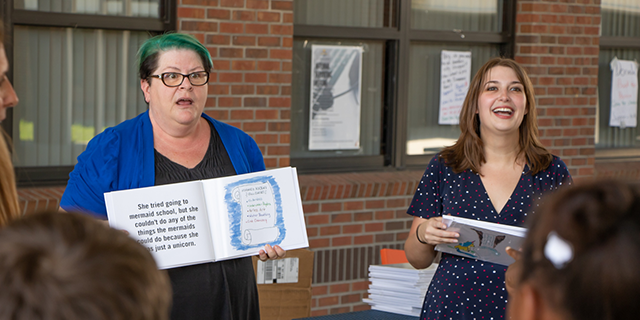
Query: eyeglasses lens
x=173, y=79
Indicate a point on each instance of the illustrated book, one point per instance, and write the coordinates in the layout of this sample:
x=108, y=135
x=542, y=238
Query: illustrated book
x=482, y=240
x=214, y=219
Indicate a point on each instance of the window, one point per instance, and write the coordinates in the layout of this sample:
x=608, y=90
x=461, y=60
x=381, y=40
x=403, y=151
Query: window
x=620, y=39
x=74, y=69
x=424, y=135
x=370, y=119
x=401, y=42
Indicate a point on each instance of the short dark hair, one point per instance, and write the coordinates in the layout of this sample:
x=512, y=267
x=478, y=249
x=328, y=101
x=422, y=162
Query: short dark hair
x=150, y=50
x=70, y=266
x=600, y=220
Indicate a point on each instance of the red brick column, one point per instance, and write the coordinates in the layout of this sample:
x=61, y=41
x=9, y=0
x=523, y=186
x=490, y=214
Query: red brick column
x=251, y=44
x=558, y=42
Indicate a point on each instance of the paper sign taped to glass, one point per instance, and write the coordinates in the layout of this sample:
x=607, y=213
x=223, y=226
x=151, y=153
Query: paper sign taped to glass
x=482, y=240
x=624, y=94
x=335, y=99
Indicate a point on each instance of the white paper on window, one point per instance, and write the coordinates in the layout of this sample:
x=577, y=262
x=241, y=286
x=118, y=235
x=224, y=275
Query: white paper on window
x=336, y=80
x=624, y=93
x=455, y=75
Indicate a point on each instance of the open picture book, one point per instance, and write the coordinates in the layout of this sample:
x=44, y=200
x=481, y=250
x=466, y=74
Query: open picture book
x=214, y=219
x=482, y=240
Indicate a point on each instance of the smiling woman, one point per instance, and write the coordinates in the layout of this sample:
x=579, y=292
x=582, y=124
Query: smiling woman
x=502, y=103
x=496, y=171
x=174, y=141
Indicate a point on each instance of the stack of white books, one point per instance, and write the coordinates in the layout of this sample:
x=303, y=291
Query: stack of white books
x=398, y=288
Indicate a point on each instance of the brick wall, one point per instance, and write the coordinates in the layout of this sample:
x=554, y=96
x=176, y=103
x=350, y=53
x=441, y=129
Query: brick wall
x=251, y=44
x=350, y=217
x=557, y=41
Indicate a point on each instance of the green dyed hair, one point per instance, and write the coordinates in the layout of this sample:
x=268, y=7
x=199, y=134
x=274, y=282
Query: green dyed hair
x=148, y=53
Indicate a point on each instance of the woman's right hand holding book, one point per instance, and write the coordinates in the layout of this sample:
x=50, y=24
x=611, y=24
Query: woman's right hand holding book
x=425, y=234
x=433, y=231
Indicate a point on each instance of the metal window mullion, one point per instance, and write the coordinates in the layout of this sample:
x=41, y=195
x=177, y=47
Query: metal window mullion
x=345, y=32
x=67, y=149
x=100, y=88
x=123, y=77
x=399, y=130
x=620, y=42
x=55, y=19
x=452, y=36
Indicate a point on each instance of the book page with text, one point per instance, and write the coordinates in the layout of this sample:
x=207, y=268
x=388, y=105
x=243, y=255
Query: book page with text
x=169, y=220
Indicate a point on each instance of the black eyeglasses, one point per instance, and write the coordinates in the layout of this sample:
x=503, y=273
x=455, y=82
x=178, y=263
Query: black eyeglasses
x=174, y=79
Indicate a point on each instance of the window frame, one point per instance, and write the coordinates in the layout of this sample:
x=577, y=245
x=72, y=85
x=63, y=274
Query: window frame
x=59, y=175
x=398, y=40
x=617, y=154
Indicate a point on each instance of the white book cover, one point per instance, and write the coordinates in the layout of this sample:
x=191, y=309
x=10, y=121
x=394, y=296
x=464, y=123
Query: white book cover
x=398, y=309
x=482, y=240
x=214, y=219
x=400, y=287
x=392, y=293
x=402, y=271
x=415, y=301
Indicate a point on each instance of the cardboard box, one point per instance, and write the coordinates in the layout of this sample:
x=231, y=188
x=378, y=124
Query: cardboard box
x=286, y=301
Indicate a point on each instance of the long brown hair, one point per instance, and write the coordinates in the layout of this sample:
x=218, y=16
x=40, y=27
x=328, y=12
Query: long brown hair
x=9, y=207
x=468, y=151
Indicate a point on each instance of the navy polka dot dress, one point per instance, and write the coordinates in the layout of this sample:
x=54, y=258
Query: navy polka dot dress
x=465, y=288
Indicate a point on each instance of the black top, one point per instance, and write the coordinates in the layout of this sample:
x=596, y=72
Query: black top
x=216, y=290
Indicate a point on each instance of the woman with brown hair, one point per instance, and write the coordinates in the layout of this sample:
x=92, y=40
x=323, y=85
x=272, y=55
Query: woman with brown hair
x=581, y=257
x=9, y=208
x=495, y=172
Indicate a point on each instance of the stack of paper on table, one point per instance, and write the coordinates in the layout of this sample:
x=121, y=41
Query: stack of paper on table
x=482, y=240
x=398, y=288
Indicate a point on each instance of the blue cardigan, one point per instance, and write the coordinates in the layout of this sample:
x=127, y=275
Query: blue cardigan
x=122, y=157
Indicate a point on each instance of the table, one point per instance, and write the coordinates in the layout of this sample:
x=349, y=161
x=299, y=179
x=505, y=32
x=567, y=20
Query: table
x=364, y=315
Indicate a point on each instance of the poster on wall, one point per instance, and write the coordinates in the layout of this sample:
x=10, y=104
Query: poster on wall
x=455, y=76
x=336, y=81
x=624, y=93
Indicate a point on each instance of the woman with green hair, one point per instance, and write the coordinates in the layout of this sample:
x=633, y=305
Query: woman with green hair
x=174, y=141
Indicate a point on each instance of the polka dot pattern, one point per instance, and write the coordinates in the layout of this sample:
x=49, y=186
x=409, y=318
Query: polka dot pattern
x=464, y=288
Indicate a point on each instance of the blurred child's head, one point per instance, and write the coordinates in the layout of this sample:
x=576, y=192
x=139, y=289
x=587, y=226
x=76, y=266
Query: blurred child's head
x=581, y=257
x=69, y=266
